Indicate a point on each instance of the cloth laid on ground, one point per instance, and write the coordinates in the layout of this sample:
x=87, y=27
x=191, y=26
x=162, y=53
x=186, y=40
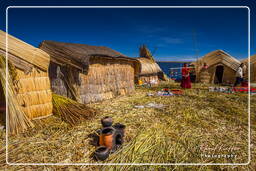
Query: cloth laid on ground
x=151, y=105
x=231, y=90
x=166, y=92
x=221, y=89
x=177, y=92
x=244, y=89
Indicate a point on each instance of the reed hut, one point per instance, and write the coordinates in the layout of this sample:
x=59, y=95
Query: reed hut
x=149, y=71
x=221, y=67
x=28, y=68
x=252, y=68
x=89, y=73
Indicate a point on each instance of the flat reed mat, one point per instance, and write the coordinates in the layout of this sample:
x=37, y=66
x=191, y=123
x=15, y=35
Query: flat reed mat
x=198, y=123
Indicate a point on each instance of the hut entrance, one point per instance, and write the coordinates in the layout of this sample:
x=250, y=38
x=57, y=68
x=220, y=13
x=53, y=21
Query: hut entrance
x=2, y=106
x=219, y=74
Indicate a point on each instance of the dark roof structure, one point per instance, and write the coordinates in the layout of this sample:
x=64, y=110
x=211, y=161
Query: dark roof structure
x=78, y=55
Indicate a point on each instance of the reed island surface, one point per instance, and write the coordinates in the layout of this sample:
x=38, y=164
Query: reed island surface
x=196, y=127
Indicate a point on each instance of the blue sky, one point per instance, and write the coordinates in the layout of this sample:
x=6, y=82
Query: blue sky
x=171, y=34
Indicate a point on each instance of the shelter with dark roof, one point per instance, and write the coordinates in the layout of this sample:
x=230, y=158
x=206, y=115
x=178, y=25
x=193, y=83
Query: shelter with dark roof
x=89, y=73
x=221, y=67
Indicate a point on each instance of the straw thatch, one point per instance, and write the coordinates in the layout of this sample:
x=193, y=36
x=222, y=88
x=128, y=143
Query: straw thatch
x=252, y=68
x=89, y=73
x=215, y=60
x=30, y=76
x=144, y=52
x=71, y=111
x=17, y=120
x=149, y=70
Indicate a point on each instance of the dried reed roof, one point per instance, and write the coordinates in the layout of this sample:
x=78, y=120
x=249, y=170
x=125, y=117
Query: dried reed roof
x=252, y=60
x=77, y=55
x=148, y=66
x=219, y=56
x=23, y=55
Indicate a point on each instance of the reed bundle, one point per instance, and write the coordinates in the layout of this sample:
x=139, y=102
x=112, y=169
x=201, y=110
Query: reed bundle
x=24, y=52
x=71, y=111
x=29, y=71
x=144, y=52
x=17, y=120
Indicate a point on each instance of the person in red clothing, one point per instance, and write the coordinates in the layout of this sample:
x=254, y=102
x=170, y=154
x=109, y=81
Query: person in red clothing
x=185, y=81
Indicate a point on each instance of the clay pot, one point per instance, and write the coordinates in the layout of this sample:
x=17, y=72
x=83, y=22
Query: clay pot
x=101, y=153
x=107, y=137
x=107, y=121
x=120, y=128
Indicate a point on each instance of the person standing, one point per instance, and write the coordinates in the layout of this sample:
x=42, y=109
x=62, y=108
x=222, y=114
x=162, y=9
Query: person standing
x=185, y=81
x=239, y=75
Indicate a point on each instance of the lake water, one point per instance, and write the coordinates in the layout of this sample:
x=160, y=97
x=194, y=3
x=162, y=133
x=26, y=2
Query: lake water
x=175, y=72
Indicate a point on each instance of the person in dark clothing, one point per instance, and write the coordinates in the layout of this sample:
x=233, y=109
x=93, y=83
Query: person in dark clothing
x=239, y=75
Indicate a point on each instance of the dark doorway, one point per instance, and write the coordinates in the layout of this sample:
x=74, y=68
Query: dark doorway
x=219, y=74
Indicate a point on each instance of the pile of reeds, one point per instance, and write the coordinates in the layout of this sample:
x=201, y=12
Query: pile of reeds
x=17, y=121
x=71, y=111
x=30, y=76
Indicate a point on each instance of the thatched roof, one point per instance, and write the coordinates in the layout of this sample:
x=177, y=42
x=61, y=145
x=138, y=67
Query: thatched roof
x=219, y=56
x=22, y=54
x=148, y=67
x=77, y=55
x=252, y=60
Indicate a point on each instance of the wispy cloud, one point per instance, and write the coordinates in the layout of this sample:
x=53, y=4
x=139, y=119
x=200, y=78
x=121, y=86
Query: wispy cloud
x=184, y=58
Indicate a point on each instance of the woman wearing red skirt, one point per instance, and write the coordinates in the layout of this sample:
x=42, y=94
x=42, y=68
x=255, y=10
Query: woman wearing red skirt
x=185, y=81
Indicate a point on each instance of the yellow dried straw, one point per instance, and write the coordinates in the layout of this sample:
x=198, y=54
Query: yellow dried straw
x=71, y=111
x=17, y=120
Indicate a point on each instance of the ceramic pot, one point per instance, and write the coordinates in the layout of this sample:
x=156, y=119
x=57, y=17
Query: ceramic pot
x=107, y=137
x=107, y=121
x=120, y=128
x=101, y=153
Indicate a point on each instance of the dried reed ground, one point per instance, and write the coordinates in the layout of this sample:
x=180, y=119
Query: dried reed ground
x=174, y=134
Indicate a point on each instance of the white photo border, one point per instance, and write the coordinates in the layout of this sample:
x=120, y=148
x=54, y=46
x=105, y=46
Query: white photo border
x=137, y=164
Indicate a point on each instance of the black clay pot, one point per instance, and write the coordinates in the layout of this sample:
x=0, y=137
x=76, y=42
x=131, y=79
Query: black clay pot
x=101, y=153
x=107, y=121
x=120, y=128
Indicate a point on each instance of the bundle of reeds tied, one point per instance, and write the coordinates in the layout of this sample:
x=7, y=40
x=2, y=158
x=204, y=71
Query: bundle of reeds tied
x=71, y=111
x=144, y=52
x=17, y=120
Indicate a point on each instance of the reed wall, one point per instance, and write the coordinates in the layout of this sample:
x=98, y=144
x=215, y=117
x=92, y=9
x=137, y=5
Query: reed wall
x=149, y=78
x=106, y=79
x=228, y=74
x=253, y=72
x=34, y=93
